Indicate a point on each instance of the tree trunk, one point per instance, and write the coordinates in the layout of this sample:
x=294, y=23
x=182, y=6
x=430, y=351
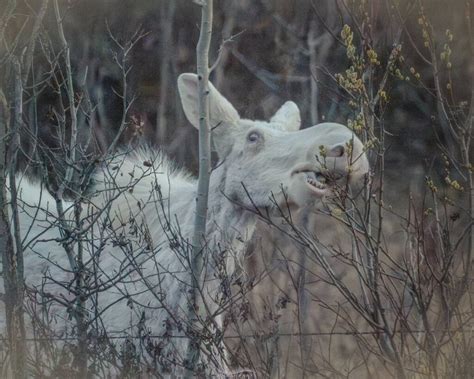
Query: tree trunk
x=197, y=259
x=10, y=240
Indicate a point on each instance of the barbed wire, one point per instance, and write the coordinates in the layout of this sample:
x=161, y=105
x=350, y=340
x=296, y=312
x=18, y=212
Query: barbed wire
x=247, y=336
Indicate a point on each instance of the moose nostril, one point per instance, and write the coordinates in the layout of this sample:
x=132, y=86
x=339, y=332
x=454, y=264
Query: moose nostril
x=336, y=151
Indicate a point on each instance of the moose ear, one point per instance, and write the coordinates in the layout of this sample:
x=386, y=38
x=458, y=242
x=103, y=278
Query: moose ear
x=287, y=117
x=220, y=110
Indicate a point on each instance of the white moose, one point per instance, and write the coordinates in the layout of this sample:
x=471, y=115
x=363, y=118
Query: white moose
x=142, y=211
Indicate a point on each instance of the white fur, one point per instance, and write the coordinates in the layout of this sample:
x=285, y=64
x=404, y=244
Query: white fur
x=150, y=274
x=287, y=117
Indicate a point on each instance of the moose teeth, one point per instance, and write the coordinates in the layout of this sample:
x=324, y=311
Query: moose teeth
x=316, y=183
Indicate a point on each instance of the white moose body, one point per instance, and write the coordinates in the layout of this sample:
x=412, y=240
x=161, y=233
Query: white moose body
x=141, y=217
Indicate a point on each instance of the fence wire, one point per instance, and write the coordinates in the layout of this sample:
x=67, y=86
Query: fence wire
x=470, y=329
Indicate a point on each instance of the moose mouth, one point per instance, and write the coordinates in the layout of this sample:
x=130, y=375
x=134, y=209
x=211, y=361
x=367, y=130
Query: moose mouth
x=317, y=181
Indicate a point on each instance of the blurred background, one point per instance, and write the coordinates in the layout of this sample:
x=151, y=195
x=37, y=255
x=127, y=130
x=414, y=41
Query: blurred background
x=275, y=50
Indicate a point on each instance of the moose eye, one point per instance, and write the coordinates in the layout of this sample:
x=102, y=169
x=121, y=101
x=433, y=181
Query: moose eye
x=253, y=137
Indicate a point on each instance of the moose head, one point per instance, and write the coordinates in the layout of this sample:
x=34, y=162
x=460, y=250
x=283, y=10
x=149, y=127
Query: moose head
x=266, y=163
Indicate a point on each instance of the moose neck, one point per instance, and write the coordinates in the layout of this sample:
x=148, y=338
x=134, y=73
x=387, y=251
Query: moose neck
x=229, y=226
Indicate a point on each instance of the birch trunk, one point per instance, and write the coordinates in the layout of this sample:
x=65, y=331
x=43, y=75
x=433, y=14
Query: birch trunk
x=199, y=241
